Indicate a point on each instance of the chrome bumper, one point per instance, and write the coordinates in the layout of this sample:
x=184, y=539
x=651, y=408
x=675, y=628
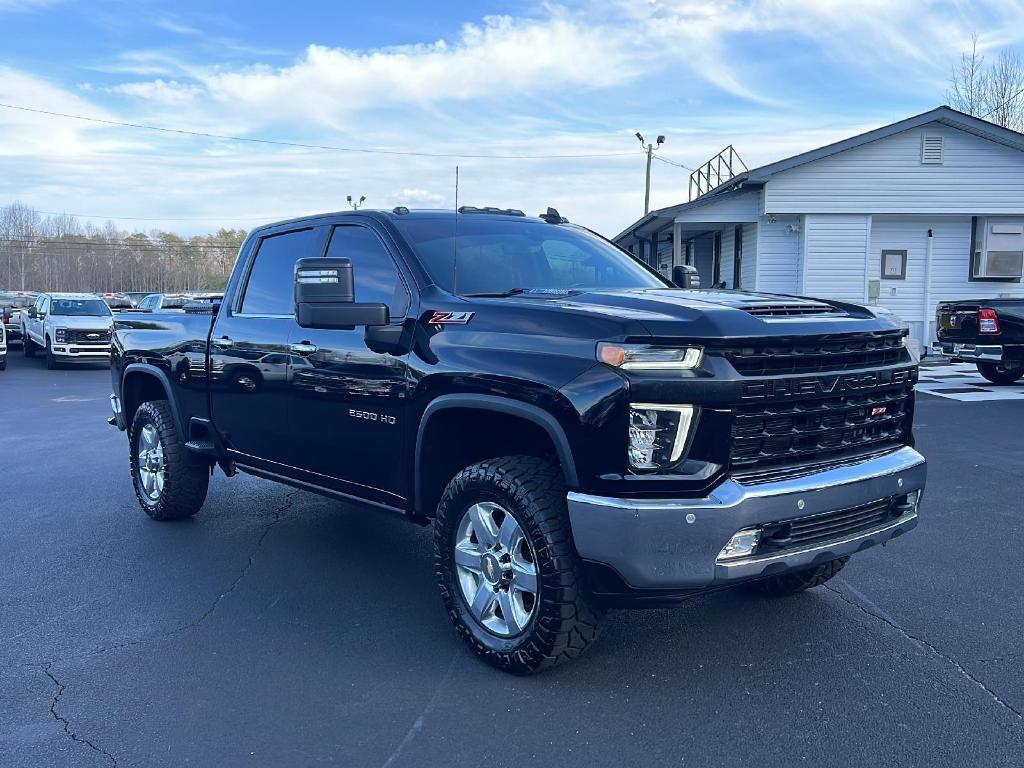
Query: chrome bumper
x=676, y=543
x=987, y=353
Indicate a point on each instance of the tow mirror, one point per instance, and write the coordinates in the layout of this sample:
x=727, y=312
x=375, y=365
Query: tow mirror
x=685, y=276
x=325, y=296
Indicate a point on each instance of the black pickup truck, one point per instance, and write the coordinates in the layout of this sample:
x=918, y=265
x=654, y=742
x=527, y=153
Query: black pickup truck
x=579, y=431
x=987, y=332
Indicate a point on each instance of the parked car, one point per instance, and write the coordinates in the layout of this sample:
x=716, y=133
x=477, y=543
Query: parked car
x=175, y=302
x=117, y=301
x=986, y=332
x=579, y=431
x=68, y=327
x=3, y=348
x=12, y=304
x=137, y=296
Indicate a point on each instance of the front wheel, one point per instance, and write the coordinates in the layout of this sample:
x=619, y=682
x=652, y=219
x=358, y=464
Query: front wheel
x=998, y=373
x=167, y=484
x=51, y=361
x=507, y=566
x=797, y=581
x=28, y=347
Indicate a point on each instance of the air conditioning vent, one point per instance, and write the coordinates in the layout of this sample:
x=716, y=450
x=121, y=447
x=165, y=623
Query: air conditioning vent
x=931, y=150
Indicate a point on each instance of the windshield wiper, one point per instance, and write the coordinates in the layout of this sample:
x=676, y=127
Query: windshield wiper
x=496, y=294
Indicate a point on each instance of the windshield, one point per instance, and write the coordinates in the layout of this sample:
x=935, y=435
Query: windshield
x=500, y=256
x=117, y=303
x=93, y=307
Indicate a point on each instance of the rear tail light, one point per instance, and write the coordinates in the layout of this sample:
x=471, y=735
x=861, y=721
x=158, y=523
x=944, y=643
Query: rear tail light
x=7, y=317
x=988, y=321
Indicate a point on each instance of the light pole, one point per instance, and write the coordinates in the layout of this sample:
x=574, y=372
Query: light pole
x=650, y=148
x=355, y=204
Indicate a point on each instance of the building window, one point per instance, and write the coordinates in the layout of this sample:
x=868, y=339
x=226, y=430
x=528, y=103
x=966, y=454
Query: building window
x=894, y=265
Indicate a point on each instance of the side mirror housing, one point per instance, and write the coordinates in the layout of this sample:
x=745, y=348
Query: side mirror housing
x=685, y=276
x=325, y=296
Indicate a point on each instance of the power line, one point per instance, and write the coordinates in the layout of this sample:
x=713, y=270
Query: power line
x=324, y=147
x=673, y=162
x=1002, y=104
x=110, y=244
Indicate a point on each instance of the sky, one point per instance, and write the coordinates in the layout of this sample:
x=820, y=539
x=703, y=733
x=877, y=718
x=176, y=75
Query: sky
x=469, y=81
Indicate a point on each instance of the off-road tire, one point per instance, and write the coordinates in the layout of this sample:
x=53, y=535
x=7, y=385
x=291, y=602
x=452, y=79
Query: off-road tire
x=51, y=361
x=564, y=622
x=28, y=347
x=797, y=581
x=3, y=364
x=998, y=373
x=186, y=483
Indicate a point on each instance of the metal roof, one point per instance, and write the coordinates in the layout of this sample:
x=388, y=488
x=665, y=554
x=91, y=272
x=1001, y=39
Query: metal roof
x=759, y=176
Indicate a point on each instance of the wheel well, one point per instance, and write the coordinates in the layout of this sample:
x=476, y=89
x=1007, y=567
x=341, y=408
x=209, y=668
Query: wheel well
x=139, y=388
x=454, y=438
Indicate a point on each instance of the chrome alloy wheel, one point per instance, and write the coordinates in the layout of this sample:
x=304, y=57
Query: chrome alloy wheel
x=151, y=463
x=496, y=569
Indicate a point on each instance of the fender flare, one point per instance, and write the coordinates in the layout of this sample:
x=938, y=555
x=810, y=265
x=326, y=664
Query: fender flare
x=506, y=405
x=147, y=369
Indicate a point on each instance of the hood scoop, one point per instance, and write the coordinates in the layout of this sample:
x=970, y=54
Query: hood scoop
x=791, y=309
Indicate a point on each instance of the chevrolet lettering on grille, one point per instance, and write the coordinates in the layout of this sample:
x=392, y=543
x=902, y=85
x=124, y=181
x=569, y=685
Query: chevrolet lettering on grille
x=823, y=385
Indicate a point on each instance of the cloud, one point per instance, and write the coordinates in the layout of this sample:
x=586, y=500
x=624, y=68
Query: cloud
x=170, y=25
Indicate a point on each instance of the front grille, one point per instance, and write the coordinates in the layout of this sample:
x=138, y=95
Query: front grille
x=80, y=336
x=802, y=532
x=826, y=426
x=790, y=310
x=817, y=355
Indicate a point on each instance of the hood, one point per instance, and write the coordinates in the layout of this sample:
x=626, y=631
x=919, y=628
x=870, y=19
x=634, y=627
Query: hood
x=711, y=314
x=82, y=321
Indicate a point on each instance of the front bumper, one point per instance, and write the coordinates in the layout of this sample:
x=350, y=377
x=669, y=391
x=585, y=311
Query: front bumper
x=94, y=352
x=968, y=353
x=675, y=544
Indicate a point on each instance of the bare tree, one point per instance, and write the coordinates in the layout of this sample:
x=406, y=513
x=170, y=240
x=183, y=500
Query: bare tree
x=60, y=253
x=994, y=92
x=1004, y=91
x=968, y=83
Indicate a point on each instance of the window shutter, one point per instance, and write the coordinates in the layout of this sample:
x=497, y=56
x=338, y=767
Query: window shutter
x=931, y=150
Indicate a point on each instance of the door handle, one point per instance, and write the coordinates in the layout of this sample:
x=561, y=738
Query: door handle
x=304, y=348
x=223, y=342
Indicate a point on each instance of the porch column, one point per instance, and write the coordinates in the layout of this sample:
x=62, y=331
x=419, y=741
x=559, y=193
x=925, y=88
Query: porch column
x=677, y=244
x=653, y=261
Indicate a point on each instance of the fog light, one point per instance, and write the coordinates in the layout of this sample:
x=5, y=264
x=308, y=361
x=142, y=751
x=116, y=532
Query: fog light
x=742, y=544
x=913, y=499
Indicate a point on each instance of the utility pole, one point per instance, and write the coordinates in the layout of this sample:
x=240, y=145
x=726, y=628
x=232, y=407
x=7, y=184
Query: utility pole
x=650, y=149
x=355, y=204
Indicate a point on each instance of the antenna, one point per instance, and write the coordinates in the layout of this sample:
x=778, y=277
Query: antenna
x=455, y=239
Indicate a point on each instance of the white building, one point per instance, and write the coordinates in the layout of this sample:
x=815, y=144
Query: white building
x=923, y=210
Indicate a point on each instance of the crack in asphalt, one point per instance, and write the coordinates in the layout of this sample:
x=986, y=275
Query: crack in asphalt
x=71, y=733
x=250, y=561
x=419, y=722
x=992, y=695
x=68, y=731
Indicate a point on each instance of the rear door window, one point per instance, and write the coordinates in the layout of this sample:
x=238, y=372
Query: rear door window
x=270, y=288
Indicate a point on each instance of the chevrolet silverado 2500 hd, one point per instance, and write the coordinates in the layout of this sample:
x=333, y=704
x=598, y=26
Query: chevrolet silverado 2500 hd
x=579, y=431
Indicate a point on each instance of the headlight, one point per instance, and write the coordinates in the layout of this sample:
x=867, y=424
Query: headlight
x=61, y=335
x=658, y=434
x=644, y=357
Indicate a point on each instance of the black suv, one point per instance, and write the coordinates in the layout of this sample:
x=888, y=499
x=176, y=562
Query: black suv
x=579, y=431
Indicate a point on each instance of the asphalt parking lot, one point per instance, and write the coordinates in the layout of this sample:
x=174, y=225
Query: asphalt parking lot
x=278, y=628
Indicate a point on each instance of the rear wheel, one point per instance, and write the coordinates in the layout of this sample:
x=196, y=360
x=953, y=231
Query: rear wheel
x=998, y=373
x=168, y=485
x=797, y=581
x=507, y=566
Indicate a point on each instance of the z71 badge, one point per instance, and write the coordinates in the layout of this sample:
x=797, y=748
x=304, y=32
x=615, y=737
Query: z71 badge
x=450, y=318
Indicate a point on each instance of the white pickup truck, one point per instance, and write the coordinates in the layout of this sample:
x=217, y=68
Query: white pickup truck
x=68, y=327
